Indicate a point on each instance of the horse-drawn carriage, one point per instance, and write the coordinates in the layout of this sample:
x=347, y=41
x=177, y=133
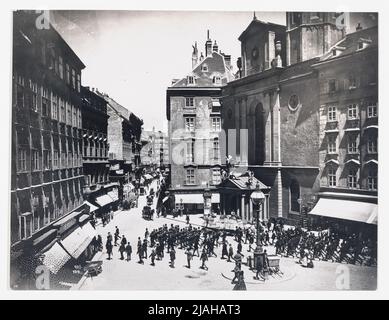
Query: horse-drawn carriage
x=147, y=213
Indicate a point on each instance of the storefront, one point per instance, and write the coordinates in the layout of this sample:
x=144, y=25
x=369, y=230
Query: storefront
x=345, y=216
x=193, y=202
x=70, y=250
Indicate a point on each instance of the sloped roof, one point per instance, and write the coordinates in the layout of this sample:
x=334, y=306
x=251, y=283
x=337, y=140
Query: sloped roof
x=349, y=44
x=216, y=67
x=243, y=183
x=256, y=23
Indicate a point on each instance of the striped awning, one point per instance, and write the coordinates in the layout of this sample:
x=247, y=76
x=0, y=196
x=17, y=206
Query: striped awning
x=55, y=258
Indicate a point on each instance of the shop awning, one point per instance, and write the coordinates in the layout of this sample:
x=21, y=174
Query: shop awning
x=44, y=236
x=89, y=230
x=347, y=210
x=165, y=199
x=83, y=218
x=215, y=198
x=114, y=195
x=91, y=206
x=55, y=258
x=77, y=242
x=103, y=200
x=195, y=198
x=67, y=218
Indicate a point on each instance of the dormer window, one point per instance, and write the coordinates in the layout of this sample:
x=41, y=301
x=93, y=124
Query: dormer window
x=363, y=43
x=217, y=80
x=190, y=80
x=337, y=51
x=204, y=68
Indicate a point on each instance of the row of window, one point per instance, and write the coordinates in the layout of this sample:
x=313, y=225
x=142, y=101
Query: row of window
x=46, y=160
x=190, y=124
x=352, y=178
x=352, y=112
x=41, y=99
x=63, y=70
x=95, y=150
x=36, y=219
x=352, y=144
x=190, y=151
x=351, y=83
x=191, y=80
x=190, y=178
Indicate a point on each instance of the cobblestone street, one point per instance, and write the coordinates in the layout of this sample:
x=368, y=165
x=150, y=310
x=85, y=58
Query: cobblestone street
x=122, y=275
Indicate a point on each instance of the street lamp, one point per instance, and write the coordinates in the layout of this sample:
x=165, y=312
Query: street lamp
x=207, y=195
x=258, y=198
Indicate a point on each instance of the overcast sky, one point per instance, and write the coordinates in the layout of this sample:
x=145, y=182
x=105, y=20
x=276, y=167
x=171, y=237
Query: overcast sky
x=134, y=55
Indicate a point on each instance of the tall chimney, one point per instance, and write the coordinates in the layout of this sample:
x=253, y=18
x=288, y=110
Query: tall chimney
x=201, y=57
x=215, y=47
x=195, y=54
x=208, y=46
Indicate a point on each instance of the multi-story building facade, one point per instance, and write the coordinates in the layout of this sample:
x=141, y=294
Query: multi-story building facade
x=283, y=108
x=47, y=168
x=156, y=152
x=123, y=134
x=348, y=115
x=95, y=153
x=194, y=129
x=95, y=147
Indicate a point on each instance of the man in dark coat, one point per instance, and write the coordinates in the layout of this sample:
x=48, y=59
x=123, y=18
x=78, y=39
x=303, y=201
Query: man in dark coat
x=189, y=256
x=172, y=257
x=230, y=253
x=204, y=257
x=128, y=251
x=152, y=256
x=144, y=248
x=108, y=247
x=224, y=250
x=122, y=248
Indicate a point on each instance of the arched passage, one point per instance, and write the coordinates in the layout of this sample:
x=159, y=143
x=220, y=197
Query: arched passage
x=256, y=125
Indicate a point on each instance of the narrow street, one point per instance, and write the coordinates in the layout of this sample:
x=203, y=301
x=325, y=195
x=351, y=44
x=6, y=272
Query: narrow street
x=122, y=275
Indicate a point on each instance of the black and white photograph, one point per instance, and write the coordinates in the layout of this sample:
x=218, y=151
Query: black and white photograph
x=193, y=150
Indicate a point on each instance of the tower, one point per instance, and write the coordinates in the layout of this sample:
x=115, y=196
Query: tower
x=195, y=54
x=310, y=34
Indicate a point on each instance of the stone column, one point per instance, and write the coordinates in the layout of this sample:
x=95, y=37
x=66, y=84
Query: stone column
x=244, y=217
x=279, y=192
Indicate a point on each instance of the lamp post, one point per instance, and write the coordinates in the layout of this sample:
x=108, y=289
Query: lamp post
x=207, y=201
x=258, y=198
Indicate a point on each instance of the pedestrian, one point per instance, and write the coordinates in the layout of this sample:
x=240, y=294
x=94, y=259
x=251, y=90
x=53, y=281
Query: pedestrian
x=108, y=247
x=144, y=248
x=172, y=257
x=152, y=256
x=241, y=285
x=109, y=237
x=187, y=219
x=239, y=249
x=224, y=250
x=122, y=248
x=189, y=256
x=140, y=254
x=204, y=257
x=236, y=273
x=128, y=251
x=230, y=253
x=124, y=240
x=116, y=238
x=146, y=233
x=100, y=243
